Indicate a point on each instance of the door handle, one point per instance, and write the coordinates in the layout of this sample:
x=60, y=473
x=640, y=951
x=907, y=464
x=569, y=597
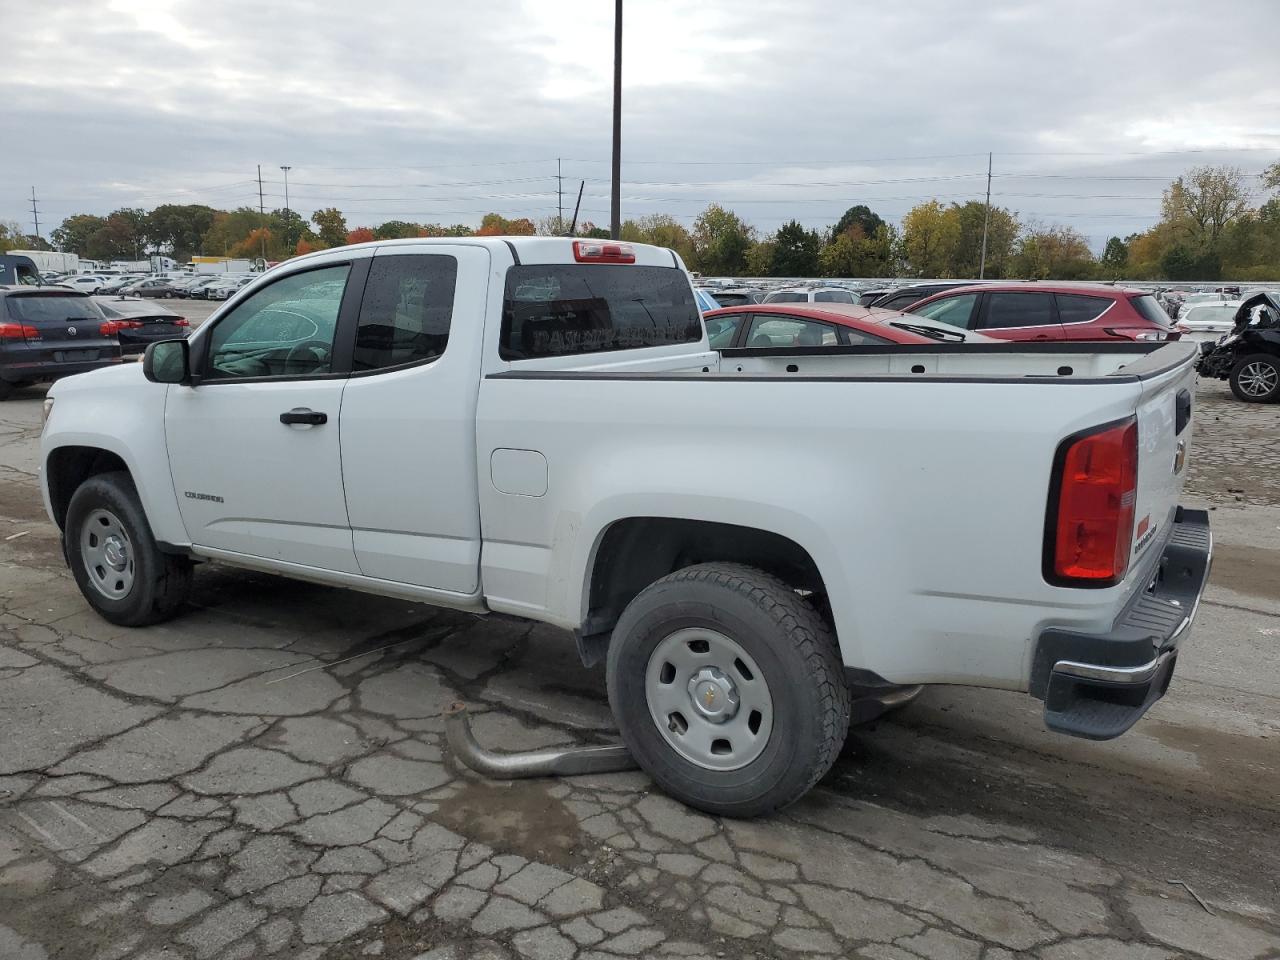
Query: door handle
x=303, y=415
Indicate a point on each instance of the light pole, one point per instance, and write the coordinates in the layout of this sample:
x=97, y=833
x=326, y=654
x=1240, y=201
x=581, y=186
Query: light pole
x=615, y=205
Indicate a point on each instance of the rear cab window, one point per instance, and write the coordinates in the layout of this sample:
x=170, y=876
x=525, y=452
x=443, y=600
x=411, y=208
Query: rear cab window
x=557, y=309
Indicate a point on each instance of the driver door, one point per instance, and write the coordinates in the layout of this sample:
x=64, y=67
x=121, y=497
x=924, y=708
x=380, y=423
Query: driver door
x=253, y=443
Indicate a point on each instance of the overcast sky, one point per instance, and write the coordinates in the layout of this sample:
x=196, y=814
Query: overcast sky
x=439, y=111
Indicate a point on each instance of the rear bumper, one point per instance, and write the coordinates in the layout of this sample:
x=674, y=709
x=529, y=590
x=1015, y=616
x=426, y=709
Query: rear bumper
x=43, y=371
x=1097, y=686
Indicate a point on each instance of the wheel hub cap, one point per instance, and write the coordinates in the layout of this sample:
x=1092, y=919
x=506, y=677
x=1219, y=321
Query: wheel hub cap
x=107, y=554
x=709, y=699
x=713, y=694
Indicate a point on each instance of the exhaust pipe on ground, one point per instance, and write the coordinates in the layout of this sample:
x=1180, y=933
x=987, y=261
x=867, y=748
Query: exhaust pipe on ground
x=548, y=762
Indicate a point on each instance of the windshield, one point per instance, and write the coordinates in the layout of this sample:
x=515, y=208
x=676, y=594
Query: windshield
x=37, y=309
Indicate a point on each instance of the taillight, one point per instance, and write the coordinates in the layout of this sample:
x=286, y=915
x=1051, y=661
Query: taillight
x=603, y=251
x=181, y=322
x=17, y=331
x=1089, y=529
x=1141, y=333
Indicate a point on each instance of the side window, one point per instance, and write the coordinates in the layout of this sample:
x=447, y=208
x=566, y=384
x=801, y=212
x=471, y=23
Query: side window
x=956, y=311
x=832, y=296
x=406, y=310
x=902, y=301
x=721, y=331
x=769, y=331
x=286, y=329
x=1019, y=310
x=860, y=338
x=1077, y=308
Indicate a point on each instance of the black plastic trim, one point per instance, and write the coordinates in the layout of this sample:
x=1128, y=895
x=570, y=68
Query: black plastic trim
x=1051, y=511
x=1149, y=622
x=512, y=247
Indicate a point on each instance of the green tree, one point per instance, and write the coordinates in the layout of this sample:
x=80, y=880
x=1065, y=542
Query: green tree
x=851, y=254
x=395, y=230
x=76, y=232
x=965, y=256
x=178, y=228
x=1115, y=257
x=331, y=226
x=760, y=259
x=796, y=251
x=720, y=242
x=287, y=228
x=860, y=216
x=12, y=237
x=1178, y=263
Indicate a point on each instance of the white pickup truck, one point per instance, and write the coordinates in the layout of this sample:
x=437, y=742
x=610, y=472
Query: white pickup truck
x=537, y=427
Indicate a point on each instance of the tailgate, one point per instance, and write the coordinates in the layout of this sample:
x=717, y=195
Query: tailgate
x=1164, y=442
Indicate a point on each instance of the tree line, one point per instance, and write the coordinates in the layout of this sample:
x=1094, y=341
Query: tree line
x=1208, y=230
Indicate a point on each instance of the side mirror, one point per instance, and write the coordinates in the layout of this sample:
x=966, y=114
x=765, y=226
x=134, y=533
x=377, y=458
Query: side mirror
x=167, y=361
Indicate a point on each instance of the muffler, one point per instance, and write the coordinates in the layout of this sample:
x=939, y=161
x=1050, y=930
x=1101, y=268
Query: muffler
x=548, y=762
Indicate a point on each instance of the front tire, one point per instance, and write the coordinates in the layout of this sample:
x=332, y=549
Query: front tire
x=114, y=557
x=728, y=689
x=1256, y=379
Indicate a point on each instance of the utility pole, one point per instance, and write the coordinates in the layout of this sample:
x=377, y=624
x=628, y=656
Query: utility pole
x=615, y=203
x=35, y=212
x=986, y=223
x=559, y=197
x=262, y=212
x=286, y=187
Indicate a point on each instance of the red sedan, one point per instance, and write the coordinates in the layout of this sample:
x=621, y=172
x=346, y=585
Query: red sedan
x=1046, y=311
x=823, y=325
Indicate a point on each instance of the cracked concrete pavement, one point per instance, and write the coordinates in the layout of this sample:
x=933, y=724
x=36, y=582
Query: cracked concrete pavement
x=266, y=776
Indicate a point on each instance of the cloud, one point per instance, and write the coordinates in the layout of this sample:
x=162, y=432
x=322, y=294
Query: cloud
x=435, y=111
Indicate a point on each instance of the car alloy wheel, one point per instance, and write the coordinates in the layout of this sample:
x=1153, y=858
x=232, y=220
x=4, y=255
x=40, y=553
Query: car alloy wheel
x=1259, y=378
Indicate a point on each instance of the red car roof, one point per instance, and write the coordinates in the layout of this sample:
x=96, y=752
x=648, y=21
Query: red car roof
x=872, y=320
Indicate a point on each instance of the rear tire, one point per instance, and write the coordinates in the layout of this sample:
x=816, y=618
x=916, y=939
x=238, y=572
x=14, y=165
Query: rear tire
x=117, y=564
x=781, y=674
x=1256, y=378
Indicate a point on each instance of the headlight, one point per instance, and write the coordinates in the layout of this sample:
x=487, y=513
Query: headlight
x=45, y=411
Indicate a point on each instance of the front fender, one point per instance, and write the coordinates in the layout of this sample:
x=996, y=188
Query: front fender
x=119, y=411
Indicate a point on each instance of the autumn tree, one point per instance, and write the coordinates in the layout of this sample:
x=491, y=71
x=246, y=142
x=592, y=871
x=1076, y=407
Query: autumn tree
x=1052, y=253
x=661, y=230
x=229, y=230
x=331, y=226
x=360, y=235
x=1204, y=201
x=720, y=242
x=929, y=233
x=496, y=225
x=853, y=254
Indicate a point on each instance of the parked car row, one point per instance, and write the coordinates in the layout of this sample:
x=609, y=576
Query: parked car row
x=49, y=332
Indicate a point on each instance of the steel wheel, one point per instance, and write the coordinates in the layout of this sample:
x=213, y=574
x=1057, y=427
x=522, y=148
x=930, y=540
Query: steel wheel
x=709, y=699
x=108, y=554
x=1258, y=379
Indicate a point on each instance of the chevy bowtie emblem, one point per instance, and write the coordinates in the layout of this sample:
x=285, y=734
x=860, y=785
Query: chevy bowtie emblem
x=710, y=696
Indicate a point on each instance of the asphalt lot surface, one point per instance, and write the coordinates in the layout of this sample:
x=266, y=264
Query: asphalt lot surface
x=266, y=776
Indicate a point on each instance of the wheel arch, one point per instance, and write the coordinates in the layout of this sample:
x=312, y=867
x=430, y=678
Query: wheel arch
x=632, y=552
